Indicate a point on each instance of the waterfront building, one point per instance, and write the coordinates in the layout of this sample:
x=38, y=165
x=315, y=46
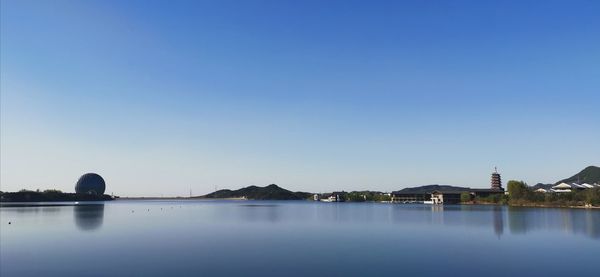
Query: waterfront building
x=409, y=197
x=564, y=187
x=439, y=195
x=445, y=197
x=485, y=192
x=333, y=197
x=587, y=186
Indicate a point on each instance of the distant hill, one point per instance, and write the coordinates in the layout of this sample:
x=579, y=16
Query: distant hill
x=542, y=186
x=270, y=192
x=430, y=188
x=590, y=174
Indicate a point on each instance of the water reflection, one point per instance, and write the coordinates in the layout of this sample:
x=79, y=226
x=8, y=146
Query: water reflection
x=260, y=212
x=88, y=217
x=498, y=216
x=571, y=221
x=516, y=220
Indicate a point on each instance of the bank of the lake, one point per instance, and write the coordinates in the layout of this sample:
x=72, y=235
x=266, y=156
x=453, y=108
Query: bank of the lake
x=50, y=196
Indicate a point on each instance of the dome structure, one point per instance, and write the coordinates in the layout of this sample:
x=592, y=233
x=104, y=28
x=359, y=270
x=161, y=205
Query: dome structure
x=90, y=183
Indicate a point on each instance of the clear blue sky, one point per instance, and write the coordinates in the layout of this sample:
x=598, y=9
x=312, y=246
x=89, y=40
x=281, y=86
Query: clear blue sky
x=161, y=96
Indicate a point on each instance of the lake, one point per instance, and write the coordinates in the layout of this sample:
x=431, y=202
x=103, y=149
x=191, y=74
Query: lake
x=296, y=238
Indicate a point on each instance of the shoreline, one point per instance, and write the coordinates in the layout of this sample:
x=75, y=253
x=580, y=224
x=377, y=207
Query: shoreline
x=379, y=202
x=183, y=198
x=3, y=202
x=532, y=206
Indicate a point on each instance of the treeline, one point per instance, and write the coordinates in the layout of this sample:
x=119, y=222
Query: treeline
x=521, y=194
x=363, y=196
x=49, y=196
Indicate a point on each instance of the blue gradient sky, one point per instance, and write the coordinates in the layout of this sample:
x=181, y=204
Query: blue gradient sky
x=162, y=96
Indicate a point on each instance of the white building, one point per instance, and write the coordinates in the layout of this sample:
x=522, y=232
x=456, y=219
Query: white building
x=562, y=187
x=587, y=186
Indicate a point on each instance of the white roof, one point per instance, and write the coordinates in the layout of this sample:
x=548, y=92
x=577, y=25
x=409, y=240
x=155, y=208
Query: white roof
x=562, y=186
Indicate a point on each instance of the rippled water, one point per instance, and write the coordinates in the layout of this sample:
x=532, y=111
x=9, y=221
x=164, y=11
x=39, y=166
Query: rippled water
x=284, y=238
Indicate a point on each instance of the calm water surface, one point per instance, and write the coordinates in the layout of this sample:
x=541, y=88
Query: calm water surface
x=296, y=238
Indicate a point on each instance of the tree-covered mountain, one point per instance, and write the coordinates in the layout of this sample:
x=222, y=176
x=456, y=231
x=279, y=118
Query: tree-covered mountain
x=590, y=175
x=542, y=186
x=270, y=192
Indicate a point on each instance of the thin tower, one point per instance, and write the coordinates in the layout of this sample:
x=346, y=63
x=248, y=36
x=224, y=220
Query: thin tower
x=496, y=180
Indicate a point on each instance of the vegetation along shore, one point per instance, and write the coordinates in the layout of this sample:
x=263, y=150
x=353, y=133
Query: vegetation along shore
x=581, y=190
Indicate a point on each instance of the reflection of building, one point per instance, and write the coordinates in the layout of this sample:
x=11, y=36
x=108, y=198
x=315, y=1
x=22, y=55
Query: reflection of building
x=89, y=217
x=498, y=221
x=571, y=221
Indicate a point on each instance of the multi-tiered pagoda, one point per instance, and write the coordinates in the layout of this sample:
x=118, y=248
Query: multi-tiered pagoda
x=496, y=181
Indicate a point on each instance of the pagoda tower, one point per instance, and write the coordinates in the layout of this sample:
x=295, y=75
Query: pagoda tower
x=496, y=181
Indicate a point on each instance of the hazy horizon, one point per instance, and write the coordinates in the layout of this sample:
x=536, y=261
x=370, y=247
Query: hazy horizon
x=160, y=97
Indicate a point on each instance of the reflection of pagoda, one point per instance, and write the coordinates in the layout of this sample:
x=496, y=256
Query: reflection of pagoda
x=496, y=181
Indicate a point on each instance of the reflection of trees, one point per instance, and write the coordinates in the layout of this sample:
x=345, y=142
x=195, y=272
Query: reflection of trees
x=88, y=217
x=593, y=228
x=517, y=220
x=573, y=221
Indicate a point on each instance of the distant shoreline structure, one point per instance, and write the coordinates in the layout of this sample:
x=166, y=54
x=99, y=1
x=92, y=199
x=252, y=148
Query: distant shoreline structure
x=90, y=185
x=51, y=196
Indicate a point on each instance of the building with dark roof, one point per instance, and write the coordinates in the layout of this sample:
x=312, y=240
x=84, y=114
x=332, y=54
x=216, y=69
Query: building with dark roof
x=438, y=194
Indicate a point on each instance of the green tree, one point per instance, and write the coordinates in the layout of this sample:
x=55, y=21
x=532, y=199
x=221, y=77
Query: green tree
x=465, y=197
x=517, y=189
x=592, y=196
